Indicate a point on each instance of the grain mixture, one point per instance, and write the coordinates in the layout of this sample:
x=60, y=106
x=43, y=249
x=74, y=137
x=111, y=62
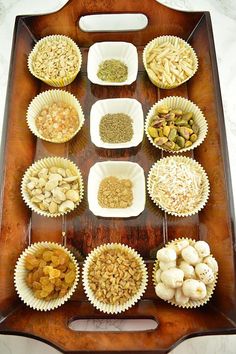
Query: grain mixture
x=115, y=193
x=51, y=273
x=112, y=70
x=115, y=276
x=57, y=122
x=116, y=128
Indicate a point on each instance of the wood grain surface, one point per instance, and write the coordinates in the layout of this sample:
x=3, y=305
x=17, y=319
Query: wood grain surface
x=84, y=231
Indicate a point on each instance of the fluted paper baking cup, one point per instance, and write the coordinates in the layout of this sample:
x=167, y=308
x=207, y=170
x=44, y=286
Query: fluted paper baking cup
x=174, y=102
x=195, y=166
x=173, y=40
x=191, y=303
x=48, y=162
x=60, y=81
x=47, y=98
x=106, y=308
x=26, y=294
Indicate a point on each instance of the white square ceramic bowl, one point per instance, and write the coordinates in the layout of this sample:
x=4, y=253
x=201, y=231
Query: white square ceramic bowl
x=119, y=169
x=128, y=106
x=123, y=51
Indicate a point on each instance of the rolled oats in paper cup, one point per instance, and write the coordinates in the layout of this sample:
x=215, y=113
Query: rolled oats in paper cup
x=114, y=277
x=46, y=275
x=56, y=60
x=169, y=61
x=52, y=186
x=178, y=185
x=175, y=124
x=55, y=116
x=185, y=273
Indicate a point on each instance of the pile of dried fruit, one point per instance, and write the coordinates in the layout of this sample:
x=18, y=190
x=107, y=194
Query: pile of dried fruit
x=51, y=273
x=57, y=122
x=54, y=189
x=115, y=276
x=173, y=129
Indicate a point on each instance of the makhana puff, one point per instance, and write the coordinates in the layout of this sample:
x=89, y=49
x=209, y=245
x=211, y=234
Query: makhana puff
x=190, y=281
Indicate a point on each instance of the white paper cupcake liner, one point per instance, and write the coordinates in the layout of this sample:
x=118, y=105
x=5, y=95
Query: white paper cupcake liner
x=106, y=308
x=191, y=303
x=26, y=294
x=160, y=40
x=47, y=163
x=205, y=181
x=59, y=82
x=186, y=106
x=47, y=98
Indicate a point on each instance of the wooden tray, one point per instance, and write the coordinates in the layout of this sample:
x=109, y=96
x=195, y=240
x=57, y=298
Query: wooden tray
x=83, y=230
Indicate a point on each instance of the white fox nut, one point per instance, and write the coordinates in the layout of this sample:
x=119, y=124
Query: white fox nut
x=164, y=292
x=189, y=271
x=212, y=263
x=190, y=255
x=173, y=277
x=166, y=255
x=194, y=289
x=179, y=245
x=202, y=248
x=158, y=276
x=180, y=298
x=167, y=265
x=205, y=273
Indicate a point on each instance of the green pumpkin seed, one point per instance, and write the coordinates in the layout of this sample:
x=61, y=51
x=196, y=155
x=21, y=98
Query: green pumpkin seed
x=180, y=141
x=188, y=143
x=172, y=135
x=187, y=116
x=160, y=140
x=166, y=130
x=153, y=132
x=193, y=138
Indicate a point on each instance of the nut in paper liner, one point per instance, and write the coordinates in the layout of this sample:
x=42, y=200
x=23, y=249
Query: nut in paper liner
x=171, y=39
x=56, y=82
x=106, y=308
x=185, y=105
x=47, y=163
x=196, y=166
x=191, y=303
x=26, y=294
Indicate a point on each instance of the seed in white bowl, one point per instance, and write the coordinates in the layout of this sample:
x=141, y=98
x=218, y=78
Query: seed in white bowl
x=188, y=270
x=212, y=263
x=180, y=298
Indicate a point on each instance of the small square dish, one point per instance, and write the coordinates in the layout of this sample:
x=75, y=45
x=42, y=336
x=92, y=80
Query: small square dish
x=114, y=106
x=121, y=170
x=123, y=51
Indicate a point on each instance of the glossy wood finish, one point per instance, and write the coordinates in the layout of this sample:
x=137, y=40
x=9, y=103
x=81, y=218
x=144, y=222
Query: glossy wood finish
x=83, y=230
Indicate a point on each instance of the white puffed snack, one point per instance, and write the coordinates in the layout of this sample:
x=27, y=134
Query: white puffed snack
x=166, y=255
x=189, y=271
x=167, y=265
x=179, y=245
x=158, y=275
x=202, y=248
x=194, y=289
x=180, y=298
x=190, y=255
x=173, y=277
x=204, y=273
x=212, y=263
x=164, y=292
